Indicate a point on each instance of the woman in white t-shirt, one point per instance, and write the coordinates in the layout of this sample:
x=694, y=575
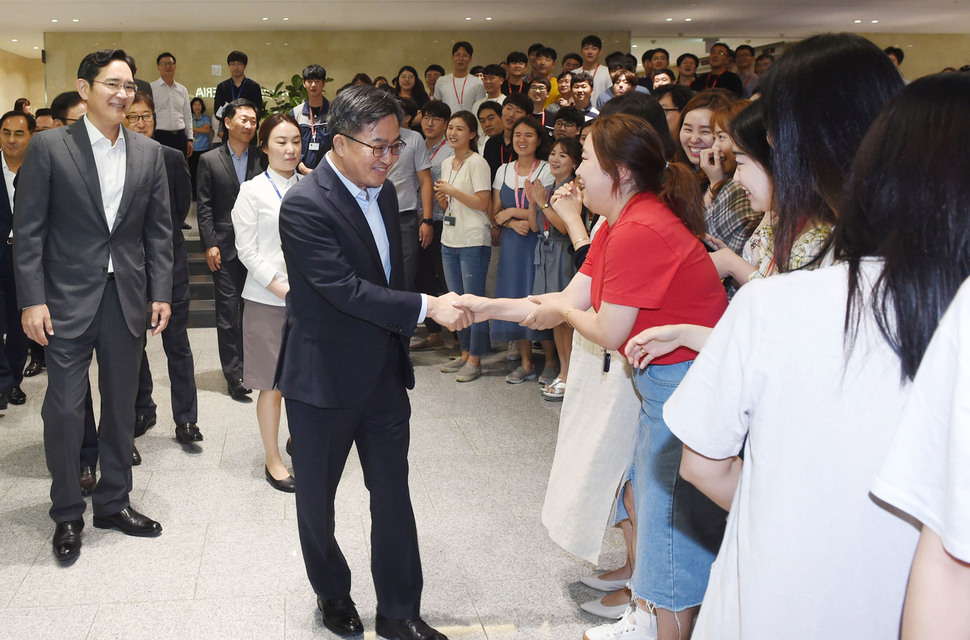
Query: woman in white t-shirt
x=466, y=241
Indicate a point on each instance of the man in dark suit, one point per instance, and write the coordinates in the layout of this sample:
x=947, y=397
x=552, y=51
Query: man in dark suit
x=221, y=171
x=16, y=130
x=344, y=367
x=93, y=244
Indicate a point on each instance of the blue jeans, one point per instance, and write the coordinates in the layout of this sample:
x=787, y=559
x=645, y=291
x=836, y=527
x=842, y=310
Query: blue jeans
x=679, y=529
x=465, y=271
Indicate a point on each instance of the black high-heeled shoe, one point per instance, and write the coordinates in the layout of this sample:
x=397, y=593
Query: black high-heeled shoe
x=287, y=484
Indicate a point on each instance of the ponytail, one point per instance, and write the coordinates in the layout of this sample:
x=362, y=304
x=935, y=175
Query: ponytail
x=683, y=196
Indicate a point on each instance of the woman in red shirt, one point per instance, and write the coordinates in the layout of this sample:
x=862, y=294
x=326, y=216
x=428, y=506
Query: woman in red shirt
x=646, y=267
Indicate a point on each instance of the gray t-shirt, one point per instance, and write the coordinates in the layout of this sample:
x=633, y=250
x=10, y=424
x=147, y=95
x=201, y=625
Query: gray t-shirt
x=404, y=174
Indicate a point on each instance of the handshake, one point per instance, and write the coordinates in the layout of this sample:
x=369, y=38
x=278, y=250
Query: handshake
x=453, y=311
x=461, y=311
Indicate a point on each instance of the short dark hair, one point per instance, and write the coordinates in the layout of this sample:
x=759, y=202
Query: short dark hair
x=92, y=64
x=435, y=67
x=516, y=56
x=573, y=56
x=547, y=52
x=166, y=54
x=409, y=106
x=746, y=47
x=237, y=56
x=648, y=108
x=684, y=56
x=520, y=100
x=40, y=113
x=593, y=40
x=535, y=47
x=141, y=96
x=489, y=104
x=63, y=103
x=232, y=107
x=31, y=122
x=271, y=123
x=436, y=109
x=494, y=70
x=542, y=81
x=623, y=61
x=314, y=72
x=666, y=72
x=359, y=107
x=571, y=114
x=765, y=56
x=461, y=44
x=477, y=69
x=679, y=94
x=199, y=100
x=661, y=50
x=581, y=76
x=896, y=52
x=572, y=148
x=730, y=51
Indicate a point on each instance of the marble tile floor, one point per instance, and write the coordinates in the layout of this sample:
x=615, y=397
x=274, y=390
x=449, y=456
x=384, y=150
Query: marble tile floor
x=228, y=564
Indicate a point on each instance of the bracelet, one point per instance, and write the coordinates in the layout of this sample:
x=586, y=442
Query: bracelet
x=581, y=240
x=565, y=318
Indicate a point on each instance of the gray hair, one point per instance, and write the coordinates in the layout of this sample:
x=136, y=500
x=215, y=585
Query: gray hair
x=359, y=107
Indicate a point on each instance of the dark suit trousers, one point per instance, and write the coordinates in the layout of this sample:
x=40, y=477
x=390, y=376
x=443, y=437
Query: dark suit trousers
x=68, y=361
x=229, y=281
x=411, y=247
x=178, y=353
x=431, y=273
x=13, y=354
x=322, y=439
x=176, y=140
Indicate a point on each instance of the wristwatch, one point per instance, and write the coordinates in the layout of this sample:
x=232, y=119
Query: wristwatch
x=427, y=221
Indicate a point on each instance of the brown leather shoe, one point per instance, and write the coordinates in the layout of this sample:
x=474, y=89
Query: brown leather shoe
x=88, y=481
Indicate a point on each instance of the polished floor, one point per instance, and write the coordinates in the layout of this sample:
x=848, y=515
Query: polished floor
x=228, y=564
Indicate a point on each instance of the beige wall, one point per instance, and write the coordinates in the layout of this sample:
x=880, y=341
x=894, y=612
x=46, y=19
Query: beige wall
x=20, y=78
x=926, y=53
x=343, y=53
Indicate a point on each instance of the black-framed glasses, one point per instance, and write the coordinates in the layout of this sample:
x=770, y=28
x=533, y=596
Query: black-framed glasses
x=381, y=150
x=132, y=118
x=129, y=87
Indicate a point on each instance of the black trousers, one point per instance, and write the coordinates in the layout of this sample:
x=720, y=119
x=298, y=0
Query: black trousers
x=178, y=353
x=68, y=361
x=431, y=273
x=229, y=281
x=174, y=139
x=13, y=348
x=322, y=439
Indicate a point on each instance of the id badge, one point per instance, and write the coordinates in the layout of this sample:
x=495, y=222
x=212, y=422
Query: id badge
x=314, y=146
x=450, y=221
x=219, y=112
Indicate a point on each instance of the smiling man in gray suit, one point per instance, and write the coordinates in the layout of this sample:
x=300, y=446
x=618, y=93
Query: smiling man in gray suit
x=94, y=245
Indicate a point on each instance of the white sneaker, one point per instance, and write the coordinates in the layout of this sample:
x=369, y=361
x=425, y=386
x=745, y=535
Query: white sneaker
x=626, y=629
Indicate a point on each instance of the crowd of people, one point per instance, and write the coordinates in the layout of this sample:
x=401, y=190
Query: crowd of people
x=747, y=297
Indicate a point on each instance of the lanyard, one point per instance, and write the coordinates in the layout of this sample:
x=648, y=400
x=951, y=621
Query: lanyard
x=522, y=202
x=437, y=148
x=275, y=188
x=313, y=128
x=232, y=88
x=461, y=99
x=711, y=85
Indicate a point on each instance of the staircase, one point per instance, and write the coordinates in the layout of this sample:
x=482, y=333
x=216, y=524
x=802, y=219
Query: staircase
x=202, y=304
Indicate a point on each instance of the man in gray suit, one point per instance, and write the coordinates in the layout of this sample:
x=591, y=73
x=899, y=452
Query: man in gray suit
x=93, y=245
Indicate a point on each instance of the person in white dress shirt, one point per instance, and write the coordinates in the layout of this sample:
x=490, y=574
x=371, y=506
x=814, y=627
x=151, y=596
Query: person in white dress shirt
x=255, y=220
x=173, y=109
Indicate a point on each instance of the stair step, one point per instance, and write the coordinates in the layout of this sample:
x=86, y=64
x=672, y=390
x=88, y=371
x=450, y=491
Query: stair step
x=201, y=287
x=202, y=313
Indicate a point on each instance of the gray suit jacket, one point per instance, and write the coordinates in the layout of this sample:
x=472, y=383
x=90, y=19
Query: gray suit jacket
x=63, y=240
x=218, y=187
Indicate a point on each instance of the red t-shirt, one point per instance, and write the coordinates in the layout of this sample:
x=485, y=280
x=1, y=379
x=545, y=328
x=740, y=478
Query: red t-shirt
x=648, y=259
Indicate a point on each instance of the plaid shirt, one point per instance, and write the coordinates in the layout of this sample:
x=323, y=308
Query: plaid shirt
x=806, y=247
x=730, y=217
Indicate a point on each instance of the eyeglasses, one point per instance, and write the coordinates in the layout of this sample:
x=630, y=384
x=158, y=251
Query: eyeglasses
x=135, y=117
x=129, y=87
x=670, y=108
x=381, y=150
x=166, y=64
x=19, y=134
x=563, y=124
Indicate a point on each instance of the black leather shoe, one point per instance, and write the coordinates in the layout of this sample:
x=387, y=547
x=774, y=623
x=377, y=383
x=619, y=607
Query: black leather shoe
x=287, y=484
x=340, y=616
x=135, y=456
x=130, y=522
x=416, y=629
x=3, y=400
x=143, y=423
x=67, y=540
x=187, y=433
x=88, y=481
x=16, y=395
x=34, y=367
x=238, y=392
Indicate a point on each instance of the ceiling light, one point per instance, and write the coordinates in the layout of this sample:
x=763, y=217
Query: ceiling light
x=670, y=19
x=875, y=22
x=286, y=19
x=36, y=48
x=857, y=21
x=467, y=19
x=687, y=19
x=634, y=46
x=14, y=40
x=264, y=19
x=75, y=20
x=488, y=19
x=53, y=19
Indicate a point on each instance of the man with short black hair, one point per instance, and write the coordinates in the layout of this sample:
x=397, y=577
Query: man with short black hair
x=600, y=81
x=44, y=119
x=173, y=109
x=518, y=63
x=571, y=62
x=431, y=76
x=544, y=64
x=498, y=149
x=312, y=118
x=569, y=123
x=236, y=86
x=719, y=77
x=489, y=120
x=532, y=52
x=744, y=62
x=460, y=97
x=67, y=108
x=617, y=63
x=582, y=90
x=762, y=63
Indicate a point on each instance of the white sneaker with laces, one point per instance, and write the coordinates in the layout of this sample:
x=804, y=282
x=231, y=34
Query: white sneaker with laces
x=630, y=627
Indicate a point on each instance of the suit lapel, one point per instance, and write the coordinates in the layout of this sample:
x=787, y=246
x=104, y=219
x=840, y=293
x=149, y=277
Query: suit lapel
x=227, y=164
x=345, y=204
x=134, y=159
x=79, y=146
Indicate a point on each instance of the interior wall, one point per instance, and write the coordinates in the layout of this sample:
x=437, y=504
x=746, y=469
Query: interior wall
x=20, y=78
x=926, y=53
x=277, y=55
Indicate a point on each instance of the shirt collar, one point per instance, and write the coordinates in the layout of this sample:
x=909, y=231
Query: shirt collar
x=95, y=135
x=3, y=161
x=280, y=180
x=368, y=194
x=232, y=153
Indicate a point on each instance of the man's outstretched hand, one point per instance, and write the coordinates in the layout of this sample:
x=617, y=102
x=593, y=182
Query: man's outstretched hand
x=442, y=310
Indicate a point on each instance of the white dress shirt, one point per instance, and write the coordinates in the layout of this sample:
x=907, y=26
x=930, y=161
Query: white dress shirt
x=110, y=160
x=256, y=221
x=8, y=177
x=367, y=201
x=173, y=110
